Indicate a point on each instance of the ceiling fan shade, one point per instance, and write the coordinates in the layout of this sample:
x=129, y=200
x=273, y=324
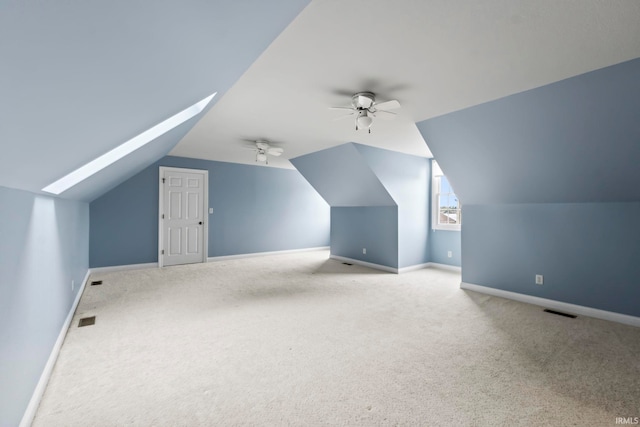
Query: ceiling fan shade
x=364, y=120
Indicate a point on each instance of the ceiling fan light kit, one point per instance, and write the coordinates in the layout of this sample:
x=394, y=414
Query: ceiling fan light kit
x=365, y=109
x=264, y=149
x=364, y=121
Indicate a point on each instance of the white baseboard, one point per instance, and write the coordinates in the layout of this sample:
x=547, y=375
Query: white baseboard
x=555, y=305
x=447, y=267
x=113, y=268
x=364, y=263
x=414, y=267
x=257, y=254
x=32, y=407
x=398, y=270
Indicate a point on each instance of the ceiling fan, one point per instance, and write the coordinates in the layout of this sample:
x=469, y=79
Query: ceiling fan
x=264, y=149
x=365, y=108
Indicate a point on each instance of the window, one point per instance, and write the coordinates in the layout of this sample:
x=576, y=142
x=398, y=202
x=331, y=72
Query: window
x=446, y=208
x=126, y=148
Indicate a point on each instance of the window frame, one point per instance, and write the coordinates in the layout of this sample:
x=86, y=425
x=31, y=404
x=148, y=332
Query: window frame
x=436, y=180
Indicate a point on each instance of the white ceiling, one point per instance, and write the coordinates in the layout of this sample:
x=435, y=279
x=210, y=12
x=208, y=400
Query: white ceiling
x=434, y=56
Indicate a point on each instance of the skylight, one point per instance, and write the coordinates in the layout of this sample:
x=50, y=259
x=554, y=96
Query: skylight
x=126, y=148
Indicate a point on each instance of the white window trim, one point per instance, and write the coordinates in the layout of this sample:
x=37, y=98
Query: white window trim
x=436, y=174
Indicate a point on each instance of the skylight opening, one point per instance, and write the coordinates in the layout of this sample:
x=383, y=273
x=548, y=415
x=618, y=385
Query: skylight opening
x=110, y=157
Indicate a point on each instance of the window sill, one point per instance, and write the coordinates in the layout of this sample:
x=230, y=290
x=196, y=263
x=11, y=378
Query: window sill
x=449, y=228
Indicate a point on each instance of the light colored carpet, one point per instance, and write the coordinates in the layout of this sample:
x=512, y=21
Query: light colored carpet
x=302, y=340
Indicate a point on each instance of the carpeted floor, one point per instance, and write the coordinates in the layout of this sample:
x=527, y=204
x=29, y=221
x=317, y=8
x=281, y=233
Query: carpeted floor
x=302, y=340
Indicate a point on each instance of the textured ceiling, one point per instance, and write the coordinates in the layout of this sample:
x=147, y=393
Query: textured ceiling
x=435, y=57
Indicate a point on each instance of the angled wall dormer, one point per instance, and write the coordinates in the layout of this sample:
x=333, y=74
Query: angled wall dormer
x=343, y=178
x=549, y=183
x=379, y=203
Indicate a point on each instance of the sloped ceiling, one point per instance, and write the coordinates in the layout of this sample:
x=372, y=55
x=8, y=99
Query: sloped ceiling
x=78, y=78
x=343, y=178
x=434, y=56
x=577, y=140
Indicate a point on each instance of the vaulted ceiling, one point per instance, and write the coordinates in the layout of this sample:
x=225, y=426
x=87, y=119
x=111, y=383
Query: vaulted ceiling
x=79, y=78
x=435, y=57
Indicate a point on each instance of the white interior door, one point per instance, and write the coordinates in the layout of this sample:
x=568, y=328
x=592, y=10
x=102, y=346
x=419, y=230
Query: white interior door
x=183, y=216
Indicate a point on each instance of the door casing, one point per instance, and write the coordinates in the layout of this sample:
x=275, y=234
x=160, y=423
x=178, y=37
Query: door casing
x=205, y=208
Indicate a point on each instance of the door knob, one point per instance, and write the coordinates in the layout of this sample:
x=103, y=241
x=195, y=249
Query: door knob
x=200, y=223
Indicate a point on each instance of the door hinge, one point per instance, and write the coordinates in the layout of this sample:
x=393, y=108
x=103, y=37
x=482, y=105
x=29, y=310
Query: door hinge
x=162, y=216
x=163, y=180
x=162, y=252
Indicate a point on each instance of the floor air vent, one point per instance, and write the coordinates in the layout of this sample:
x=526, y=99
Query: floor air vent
x=347, y=263
x=559, y=313
x=96, y=283
x=87, y=321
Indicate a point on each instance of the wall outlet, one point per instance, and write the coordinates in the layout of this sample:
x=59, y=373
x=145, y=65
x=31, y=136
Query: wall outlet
x=210, y=210
x=364, y=251
x=539, y=279
x=73, y=284
x=449, y=254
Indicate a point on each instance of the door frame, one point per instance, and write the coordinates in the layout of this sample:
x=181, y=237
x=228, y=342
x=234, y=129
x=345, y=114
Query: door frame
x=205, y=207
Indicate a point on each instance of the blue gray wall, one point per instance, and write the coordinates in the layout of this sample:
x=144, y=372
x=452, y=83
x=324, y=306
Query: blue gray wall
x=363, y=213
x=44, y=245
x=443, y=241
x=573, y=141
x=256, y=209
x=374, y=228
x=548, y=179
x=588, y=253
x=355, y=175
x=408, y=179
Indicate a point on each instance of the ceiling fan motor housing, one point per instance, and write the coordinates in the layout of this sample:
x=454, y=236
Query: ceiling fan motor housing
x=363, y=100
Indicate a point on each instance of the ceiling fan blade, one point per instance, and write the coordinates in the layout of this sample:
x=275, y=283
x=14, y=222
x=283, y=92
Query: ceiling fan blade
x=275, y=151
x=340, y=108
x=262, y=145
x=344, y=117
x=385, y=115
x=387, y=105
